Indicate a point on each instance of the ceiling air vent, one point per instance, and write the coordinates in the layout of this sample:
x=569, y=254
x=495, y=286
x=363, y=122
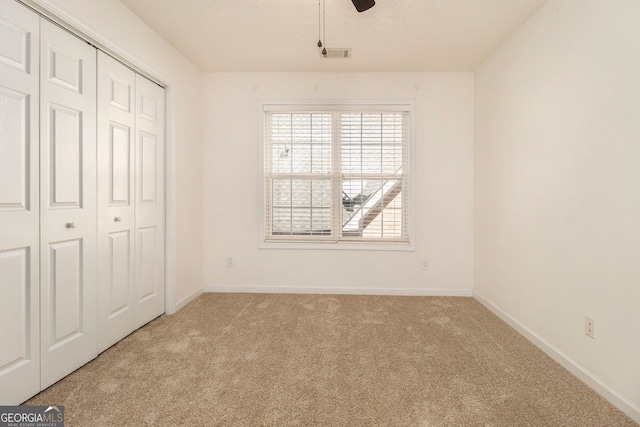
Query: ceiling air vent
x=335, y=53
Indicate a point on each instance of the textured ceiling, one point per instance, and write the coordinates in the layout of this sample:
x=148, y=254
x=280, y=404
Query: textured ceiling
x=281, y=35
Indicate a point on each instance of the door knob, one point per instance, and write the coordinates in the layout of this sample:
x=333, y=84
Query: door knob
x=71, y=225
x=117, y=219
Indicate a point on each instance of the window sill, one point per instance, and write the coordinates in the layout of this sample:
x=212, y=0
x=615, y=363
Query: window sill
x=332, y=245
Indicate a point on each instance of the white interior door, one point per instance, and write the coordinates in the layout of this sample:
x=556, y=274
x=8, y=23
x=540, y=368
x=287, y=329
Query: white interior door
x=116, y=214
x=149, y=201
x=67, y=203
x=19, y=204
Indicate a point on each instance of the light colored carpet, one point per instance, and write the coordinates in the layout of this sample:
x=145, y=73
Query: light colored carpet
x=327, y=360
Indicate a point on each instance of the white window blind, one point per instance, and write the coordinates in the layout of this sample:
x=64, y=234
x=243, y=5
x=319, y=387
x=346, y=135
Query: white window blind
x=336, y=176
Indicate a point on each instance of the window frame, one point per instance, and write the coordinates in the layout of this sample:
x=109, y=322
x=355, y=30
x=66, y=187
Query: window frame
x=274, y=106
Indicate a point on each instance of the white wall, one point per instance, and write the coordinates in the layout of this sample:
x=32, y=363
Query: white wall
x=112, y=21
x=557, y=184
x=444, y=175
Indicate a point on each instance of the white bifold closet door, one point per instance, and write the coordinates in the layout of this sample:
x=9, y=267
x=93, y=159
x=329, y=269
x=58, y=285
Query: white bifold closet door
x=149, y=201
x=19, y=204
x=82, y=160
x=130, y=201
x=67, y=203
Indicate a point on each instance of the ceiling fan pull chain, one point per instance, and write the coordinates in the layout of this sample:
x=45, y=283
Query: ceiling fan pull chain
x=319, y=25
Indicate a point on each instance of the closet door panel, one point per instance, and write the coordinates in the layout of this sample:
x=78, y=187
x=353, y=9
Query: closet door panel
x=65, y=283
x=14, y=151
x=148, y=285
x=120, y=284
x=65, y=153
x=14, y=265
x=120, y=149
x=67, y=203
x=19, y=204
x=149, y=201
x=116, y=215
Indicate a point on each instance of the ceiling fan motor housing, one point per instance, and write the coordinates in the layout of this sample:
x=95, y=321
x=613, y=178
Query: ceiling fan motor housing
x=362, y=5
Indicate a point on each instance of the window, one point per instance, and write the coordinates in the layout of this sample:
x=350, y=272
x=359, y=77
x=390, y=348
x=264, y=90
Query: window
x=336, y=173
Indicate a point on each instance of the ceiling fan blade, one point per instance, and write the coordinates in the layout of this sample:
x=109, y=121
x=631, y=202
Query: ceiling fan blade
x=362, y=5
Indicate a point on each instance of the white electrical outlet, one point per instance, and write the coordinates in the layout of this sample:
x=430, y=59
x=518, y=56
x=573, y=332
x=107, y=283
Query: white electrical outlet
x=426, y=264
x=590, y=327
x=230, y=263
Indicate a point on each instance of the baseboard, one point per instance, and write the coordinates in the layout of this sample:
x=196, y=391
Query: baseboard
x=338, y=291
x=615, y=398
x=186, y=300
